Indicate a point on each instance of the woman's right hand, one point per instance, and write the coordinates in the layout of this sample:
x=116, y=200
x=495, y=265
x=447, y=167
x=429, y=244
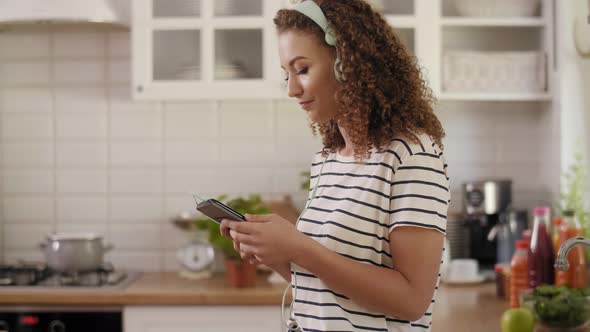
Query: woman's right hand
x=225, y=231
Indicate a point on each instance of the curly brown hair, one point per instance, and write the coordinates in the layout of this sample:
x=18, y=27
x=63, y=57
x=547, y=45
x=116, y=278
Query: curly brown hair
x=388, y=96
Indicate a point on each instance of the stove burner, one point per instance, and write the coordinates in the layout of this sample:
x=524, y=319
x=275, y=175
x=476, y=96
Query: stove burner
x=22, y=274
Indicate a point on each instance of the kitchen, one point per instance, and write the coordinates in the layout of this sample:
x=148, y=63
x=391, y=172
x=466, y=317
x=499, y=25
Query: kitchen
x=105, y=130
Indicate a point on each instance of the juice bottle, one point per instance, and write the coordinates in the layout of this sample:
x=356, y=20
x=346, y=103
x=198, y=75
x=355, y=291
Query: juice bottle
x=576, y=256
x=519, y=272
x=541, y=258
x=562, y=277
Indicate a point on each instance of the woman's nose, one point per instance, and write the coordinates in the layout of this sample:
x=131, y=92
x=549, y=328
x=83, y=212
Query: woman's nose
x=294, y=88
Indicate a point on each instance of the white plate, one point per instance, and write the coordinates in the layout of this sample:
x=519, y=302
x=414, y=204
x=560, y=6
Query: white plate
x=466, y=281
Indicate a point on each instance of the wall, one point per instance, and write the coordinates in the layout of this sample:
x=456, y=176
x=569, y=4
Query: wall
x=574, y=85
x=77, y=154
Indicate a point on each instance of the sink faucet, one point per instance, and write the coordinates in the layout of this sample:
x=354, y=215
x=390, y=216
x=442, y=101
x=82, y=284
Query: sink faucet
x=561, y=261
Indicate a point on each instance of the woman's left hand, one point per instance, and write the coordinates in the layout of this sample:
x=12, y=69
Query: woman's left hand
x=270, y=238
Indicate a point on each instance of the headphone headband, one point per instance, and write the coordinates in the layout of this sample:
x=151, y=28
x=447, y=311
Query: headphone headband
x=311, y=9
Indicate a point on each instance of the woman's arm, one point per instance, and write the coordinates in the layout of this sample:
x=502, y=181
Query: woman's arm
x=404, y=291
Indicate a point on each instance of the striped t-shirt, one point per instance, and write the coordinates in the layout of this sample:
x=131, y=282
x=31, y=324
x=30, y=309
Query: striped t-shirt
x=356, y=206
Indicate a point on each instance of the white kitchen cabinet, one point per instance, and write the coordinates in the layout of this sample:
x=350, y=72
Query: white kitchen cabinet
x=224, y=49
x=199, y=49
x=495, y=34
x=202, y=318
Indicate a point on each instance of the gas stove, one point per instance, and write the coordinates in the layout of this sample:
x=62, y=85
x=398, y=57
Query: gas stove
x=38, y=275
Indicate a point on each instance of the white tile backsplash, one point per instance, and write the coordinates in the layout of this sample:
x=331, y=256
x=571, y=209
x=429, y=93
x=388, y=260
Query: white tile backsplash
x=19, y=181
x=24, y=45
x=119, y=44
x=136, y=153
x=81, y=125
x=136, y=124
x=182, y=153
x=78, y=154
x=82, y=209
x=136, y=209
x=246, y=119
x=149, y=261
x=80, y=99
x=28, y=208
x=79, y=44
x=73, y=72
x=23, y=100
x=135, y=236
x=247, y=151
x=27, y=154
x=81, y=181
x=119, y=72
x=81, y=153
x=27, y=125
x=18, y=73
x=25, y=236
x=136, y=181
x=190, y=120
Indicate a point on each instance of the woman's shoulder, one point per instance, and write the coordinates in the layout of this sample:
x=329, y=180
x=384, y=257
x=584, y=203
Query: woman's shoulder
x=404, y=147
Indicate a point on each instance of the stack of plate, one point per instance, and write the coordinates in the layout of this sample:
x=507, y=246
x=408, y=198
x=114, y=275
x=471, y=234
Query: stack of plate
x=228, y=71
x=188, y=72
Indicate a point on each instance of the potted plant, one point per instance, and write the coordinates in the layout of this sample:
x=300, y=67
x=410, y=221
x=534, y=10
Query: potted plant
x=239, y=273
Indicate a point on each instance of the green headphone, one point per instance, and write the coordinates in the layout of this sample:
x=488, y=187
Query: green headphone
x=311, y=9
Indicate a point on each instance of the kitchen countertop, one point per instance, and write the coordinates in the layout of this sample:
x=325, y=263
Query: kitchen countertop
x=458, y=308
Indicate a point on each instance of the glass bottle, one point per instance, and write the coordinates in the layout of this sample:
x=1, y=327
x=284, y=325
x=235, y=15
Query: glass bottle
x=540, y=262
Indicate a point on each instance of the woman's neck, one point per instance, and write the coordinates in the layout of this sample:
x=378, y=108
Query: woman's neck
x=347, y=150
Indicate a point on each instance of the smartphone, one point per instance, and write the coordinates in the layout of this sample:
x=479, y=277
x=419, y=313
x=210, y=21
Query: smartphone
x=218, y=211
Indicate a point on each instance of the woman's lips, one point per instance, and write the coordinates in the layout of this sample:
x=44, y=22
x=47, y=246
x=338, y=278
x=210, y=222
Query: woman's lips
x=306, y=104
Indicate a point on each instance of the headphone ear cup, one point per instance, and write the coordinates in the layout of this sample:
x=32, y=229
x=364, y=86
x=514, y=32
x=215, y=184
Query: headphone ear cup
x=330, y=39
x=338, y=70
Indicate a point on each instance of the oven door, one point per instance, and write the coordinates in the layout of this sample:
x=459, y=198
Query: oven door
x=61, y=319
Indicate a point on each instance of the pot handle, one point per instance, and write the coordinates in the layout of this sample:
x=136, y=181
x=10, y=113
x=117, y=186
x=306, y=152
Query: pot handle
x=43, y=245
x=107, y=247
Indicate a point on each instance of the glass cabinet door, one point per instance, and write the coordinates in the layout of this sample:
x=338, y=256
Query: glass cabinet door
x=176, y=8
x=176, y=55
x=238, y=54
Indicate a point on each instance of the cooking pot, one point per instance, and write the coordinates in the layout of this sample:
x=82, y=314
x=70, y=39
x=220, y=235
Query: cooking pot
x=74, y=252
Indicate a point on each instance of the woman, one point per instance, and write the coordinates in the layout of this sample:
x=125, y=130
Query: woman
x=366, y=252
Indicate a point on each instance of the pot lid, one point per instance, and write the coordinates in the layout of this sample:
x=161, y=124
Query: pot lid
x=74, y=236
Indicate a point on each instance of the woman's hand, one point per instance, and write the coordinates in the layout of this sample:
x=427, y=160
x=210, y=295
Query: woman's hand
x=269, y=238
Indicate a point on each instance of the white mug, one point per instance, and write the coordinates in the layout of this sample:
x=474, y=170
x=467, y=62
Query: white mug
x=462, y=269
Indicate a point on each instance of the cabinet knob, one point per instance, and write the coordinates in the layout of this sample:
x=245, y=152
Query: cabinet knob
x=139, y=88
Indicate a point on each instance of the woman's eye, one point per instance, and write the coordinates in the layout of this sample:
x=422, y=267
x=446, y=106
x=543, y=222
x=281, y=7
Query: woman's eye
x=302, y=71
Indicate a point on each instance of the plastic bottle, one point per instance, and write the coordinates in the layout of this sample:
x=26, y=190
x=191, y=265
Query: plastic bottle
x=519, y=272
x=557, y=222
x=541, y=257
x=577, y=256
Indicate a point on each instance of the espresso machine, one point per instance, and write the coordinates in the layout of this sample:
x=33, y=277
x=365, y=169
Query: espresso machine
x=486, y=208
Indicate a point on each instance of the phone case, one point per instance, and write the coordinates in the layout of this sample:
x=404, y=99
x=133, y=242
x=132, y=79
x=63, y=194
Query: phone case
x=218, y=211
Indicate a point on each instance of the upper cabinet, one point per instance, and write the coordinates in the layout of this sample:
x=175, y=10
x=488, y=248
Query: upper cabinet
x=221, y=49
x=499, y=50
x=198, y=49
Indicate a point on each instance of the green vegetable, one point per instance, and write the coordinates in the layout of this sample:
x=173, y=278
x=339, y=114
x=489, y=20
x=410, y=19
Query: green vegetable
x=559, y=306
x=251, y=205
